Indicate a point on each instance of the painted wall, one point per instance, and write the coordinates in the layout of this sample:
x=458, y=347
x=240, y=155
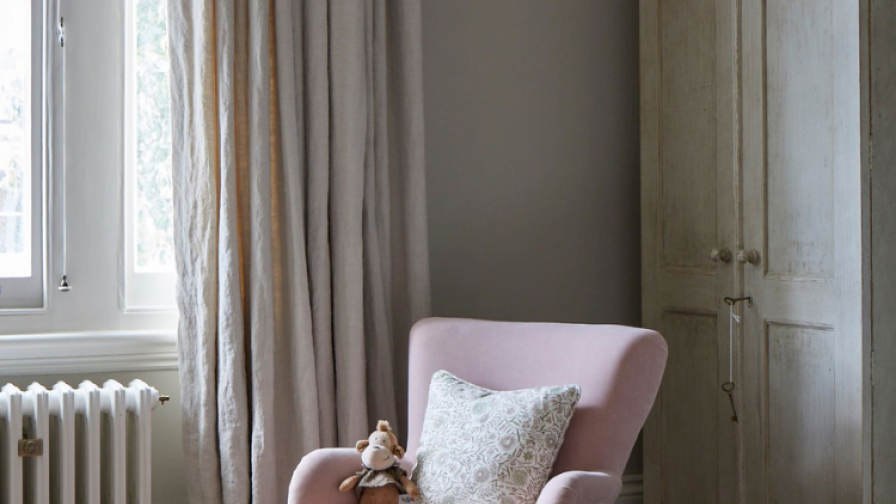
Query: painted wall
x=880, y=166
x=532, y=160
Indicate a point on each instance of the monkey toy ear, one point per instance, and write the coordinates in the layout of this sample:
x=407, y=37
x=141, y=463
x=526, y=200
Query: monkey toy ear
x=398, y=451
x=360, y=445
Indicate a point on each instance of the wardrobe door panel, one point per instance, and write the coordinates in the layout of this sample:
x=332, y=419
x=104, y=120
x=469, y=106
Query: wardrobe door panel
x=687, y=131
x=801, y=392
x=802, y=337
x=801, y=143
x=691, y=398
x=688, y=176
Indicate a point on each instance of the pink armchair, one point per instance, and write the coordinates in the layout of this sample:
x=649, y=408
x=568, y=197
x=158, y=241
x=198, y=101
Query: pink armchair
x=618, y=368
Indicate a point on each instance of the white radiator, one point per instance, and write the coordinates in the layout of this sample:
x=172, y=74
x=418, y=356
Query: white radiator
x=85, y=445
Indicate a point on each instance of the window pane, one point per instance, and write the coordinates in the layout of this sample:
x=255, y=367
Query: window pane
x=152, y=202
x=15, y=139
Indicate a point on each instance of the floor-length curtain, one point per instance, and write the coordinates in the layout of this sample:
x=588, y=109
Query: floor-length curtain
x=300, y=229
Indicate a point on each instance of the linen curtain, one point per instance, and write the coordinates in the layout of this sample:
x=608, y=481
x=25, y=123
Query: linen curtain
x=300, y=229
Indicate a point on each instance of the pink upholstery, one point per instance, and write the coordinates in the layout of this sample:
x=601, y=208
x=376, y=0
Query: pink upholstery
x=618, y=368
x=316, y=479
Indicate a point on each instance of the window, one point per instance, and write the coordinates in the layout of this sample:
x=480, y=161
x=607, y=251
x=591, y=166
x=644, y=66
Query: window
x=21, y=156
x=149, y=235
x=85, y=170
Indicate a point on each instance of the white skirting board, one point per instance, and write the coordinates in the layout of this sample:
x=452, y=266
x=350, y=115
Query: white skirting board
x=632, y=489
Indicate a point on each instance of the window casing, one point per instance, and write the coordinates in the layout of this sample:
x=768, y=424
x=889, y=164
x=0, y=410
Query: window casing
x=93, y=230
x=22, y=157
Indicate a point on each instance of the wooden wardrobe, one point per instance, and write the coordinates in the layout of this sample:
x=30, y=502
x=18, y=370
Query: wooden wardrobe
x=753, y=187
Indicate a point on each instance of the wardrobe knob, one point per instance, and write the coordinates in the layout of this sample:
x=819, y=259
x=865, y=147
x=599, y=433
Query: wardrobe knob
x=748, y=256
x=722, y=254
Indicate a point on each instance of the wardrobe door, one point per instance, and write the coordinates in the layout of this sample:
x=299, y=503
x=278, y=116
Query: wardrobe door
x=688, y=127
x=802, y=338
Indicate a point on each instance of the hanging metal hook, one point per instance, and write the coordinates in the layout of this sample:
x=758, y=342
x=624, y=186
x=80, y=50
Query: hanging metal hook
x=730, y=301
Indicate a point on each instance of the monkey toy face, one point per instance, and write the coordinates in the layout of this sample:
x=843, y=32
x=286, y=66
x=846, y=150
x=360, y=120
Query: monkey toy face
x=381, y=450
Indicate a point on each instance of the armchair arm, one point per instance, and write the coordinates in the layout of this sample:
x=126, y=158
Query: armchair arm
x=317, y=477
x=581, y=487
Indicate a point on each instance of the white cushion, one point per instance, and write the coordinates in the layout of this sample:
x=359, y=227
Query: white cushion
x=484, y=446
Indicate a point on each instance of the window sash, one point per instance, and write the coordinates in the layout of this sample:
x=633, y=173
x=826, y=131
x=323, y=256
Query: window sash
x=143, y=290
x=28, y=293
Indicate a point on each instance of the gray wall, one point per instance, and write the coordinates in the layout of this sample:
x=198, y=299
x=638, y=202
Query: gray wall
x=532, y=159
x=880, y=166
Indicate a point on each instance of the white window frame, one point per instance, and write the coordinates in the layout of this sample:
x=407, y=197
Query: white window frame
x=92, y=326
x=28, y=294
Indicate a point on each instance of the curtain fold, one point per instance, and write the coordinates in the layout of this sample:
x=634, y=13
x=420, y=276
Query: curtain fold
x=300, y=229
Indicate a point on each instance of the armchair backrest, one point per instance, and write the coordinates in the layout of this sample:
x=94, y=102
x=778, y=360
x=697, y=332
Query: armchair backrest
x=618, y=368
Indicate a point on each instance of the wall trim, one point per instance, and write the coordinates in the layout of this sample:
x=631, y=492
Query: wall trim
x=632, y=489
x=78, y=352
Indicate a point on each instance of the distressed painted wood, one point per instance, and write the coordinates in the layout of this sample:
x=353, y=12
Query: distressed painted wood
x=800, y=386
x=691, y=385
x=689, y=205
x=687, y=124
x=802, y=339
x=867, y=305
x=800, y=138
x=760, y=102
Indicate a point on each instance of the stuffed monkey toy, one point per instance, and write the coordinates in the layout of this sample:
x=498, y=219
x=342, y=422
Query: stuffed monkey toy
x=381, y=480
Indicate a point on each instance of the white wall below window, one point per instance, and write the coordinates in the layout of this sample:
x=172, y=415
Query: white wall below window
x=532, y=139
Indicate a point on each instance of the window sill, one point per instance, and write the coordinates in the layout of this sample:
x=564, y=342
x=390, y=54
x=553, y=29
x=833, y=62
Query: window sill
x=88, y=352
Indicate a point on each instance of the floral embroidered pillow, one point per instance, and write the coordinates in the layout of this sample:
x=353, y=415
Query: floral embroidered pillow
x=489, y=447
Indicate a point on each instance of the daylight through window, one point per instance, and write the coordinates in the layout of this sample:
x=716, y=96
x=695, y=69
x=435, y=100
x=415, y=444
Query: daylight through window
x=152, y=204
x=15, y=140
x=150, y=278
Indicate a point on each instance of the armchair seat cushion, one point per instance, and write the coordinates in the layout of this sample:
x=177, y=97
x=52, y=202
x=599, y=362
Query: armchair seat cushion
x=490, y=447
